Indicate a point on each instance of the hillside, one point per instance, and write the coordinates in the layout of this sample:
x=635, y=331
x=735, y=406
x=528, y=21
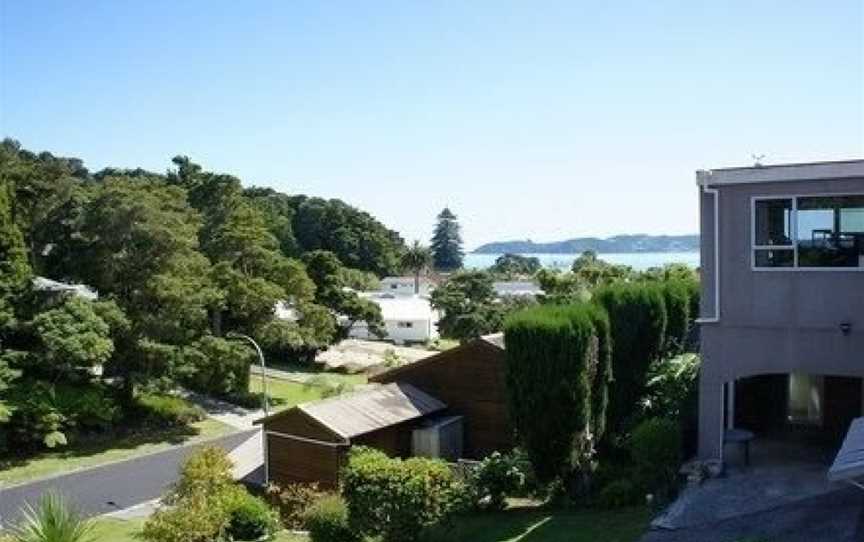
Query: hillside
x=616, y=244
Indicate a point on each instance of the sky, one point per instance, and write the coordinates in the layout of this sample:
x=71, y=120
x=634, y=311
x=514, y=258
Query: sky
x=544, y=120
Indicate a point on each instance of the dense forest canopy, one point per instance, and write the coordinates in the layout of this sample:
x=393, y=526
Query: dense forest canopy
x=179, y=260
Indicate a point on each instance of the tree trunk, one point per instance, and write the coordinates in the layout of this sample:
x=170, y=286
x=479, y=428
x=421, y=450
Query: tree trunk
x=416, y=282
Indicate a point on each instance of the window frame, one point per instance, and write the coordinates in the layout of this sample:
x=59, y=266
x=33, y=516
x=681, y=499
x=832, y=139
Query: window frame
x=794, y=226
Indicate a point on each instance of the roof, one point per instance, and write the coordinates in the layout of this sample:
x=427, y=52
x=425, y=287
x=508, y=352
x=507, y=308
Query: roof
x=368, y=410
x=495, y=340
x=807, y=171
x=403, y=308
x=83, y=291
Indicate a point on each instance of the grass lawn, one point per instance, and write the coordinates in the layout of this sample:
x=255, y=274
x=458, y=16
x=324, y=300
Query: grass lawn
x=115, y=530
x=541, y=525
x=286, y=394
x=93, y=453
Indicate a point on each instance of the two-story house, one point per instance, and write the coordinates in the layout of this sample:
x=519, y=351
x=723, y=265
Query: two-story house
x=782, y=316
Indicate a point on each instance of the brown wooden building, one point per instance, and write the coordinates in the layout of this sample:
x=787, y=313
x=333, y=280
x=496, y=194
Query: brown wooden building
x=470, y=379
x=308, y=443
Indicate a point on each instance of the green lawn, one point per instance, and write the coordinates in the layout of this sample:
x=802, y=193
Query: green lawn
x=286, y=394
x=91, y=454
x=115, y=530
x=541, y=525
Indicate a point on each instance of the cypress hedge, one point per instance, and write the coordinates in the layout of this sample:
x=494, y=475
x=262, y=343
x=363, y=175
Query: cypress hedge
x=677, y=299
x=602, y=377
x=637, y=314
x=549, y=356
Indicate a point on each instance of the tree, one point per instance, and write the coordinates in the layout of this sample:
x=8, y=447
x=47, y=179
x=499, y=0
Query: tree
x=327, y=273
x=417, y=259
x=470, y=309
x=446, y=245
x=593, y=272
x=14, y=269
x=551, y=354
x=515, y=265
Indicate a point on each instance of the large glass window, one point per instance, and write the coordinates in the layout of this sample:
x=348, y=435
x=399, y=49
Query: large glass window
x=809, y=232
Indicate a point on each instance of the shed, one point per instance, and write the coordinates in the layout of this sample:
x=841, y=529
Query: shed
x=471, y=380
x=308, y=443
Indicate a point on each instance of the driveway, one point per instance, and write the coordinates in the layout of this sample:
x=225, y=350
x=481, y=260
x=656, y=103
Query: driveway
x=116, y=486
x=833, y=517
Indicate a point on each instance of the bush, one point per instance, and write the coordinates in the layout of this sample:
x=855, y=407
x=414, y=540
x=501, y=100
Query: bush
x=676, y=298
x=161, y=410
x=249, y=518
x=618, y=494
x=601, y=378
x=637, y=315
x=395, y=499
x=54, y=520
x=199, y=518
x=497, y=477
x=208, y=471
x=292, y=501
x=655, y=447
x=327, y=521
x=217, y=366
x=550, y=351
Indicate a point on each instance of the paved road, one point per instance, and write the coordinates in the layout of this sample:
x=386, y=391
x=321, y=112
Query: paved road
x=835, y=517
x=111, y=487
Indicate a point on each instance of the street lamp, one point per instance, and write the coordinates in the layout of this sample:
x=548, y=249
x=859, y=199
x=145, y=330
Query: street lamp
x=233, y=335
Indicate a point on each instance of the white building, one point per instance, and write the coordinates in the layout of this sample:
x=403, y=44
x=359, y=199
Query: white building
x=405, y=286
x=407, y=319
x=42, y=284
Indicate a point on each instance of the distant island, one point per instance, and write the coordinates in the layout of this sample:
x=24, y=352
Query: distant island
x=616, y=244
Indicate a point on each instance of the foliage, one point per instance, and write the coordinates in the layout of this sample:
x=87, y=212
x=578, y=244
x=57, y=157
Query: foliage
x=14, y=269
x=207, y=471
x=655, y=447
x=676, y=297
x=293, y=500
x=326, y=519
x=217, y=366
x=200, y=518
x=160, y=410
x=53, y=520
x=395, y=498
x=593, y=272
x=326, y=386
x=550, y=351
x=469, y=308
x=515, y=265
x=250, y=518
x=72, y=336
x=672, y=386
x=562, y=288
x=446, y=243
x=618, y=494
x=637, y=317
x=417, y=259
x=602, y=375
x=496, y=477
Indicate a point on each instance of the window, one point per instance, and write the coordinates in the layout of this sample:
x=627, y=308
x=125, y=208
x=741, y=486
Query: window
x=809, y=232
x=405, y=324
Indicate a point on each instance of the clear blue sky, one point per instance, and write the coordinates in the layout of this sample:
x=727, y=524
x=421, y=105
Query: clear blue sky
x=530, y=119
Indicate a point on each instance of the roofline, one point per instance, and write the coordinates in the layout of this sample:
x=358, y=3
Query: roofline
x=431, y=359
x=804, y=171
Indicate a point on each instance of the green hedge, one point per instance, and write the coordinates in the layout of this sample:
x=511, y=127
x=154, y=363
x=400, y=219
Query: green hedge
x=549, y=356
x=637, y=314
x=677, y=299
x=394, y=498
x=603, y=374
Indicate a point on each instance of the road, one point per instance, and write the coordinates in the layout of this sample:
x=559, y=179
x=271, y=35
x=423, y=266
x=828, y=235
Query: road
x=112, y=487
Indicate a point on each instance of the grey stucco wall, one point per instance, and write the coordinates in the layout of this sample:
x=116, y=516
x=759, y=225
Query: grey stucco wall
x=773, y=321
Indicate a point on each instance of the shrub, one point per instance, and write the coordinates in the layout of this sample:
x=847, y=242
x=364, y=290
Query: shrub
x=199, y=518
x=655, y=447
x=495, y=478
x=327, y=521
x=249, y=518
x=292, y=501
x=601, y=378
x=618, y=494
x=53, y=520
x=637, y=316
x=676, y=298
x=167, y=410
x=217, y=366
x=549, y=353
x=395, y=499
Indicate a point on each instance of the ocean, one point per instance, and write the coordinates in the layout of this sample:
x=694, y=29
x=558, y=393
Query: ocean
x=639, y=261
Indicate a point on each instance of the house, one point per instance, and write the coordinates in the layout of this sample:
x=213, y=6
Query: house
x=516, y=288
x=782, y=312
x=470, y=379
x=407, y=319
x=57, y=288
x=405, y=286
x=451, y=405
x=308, y=443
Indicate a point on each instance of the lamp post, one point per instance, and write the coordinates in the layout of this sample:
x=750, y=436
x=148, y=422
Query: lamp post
x=233, y=335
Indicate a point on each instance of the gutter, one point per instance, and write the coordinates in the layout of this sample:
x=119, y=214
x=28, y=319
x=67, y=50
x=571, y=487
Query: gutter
x=702, y=179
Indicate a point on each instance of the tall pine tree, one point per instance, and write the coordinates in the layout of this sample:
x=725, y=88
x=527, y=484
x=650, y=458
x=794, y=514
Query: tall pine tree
x=446, y=243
